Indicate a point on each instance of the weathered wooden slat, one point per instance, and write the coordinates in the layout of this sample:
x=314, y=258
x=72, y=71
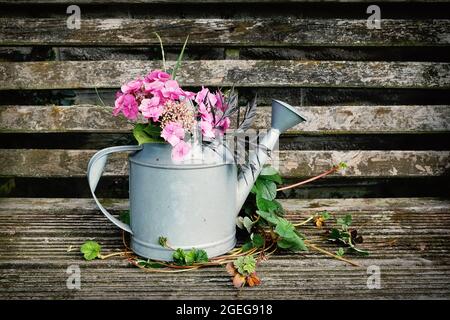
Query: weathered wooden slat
x=242, y=32
x=331, y=119
x=247, y=73
x=73, y=163
x=189, y=1
x=422, y=205
x=408, y=238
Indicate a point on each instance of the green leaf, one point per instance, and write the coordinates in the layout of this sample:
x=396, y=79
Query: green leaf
x=247, y=246
x=245, y=265
x=276, y=178
x=340, y=252
x=149, y=264
x=325, y=215
x=345, y=222
x=248, y=224
x=201, y=256
x=266, y=189
x=269, y=217
x=359, y=251
x=162, y=51
x=267, y=205
x=142, y=137
x=91, y=250
x=285, y=229
x=257, y=240
x=267, y=170
x=335, y=234
x=294, y=244
x=188, y=258
x=125, y=216
x=162, y=241
x=154, y=131
x=179, y=256
x=180, y=58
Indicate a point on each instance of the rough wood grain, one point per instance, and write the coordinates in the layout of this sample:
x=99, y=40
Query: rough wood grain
x=246, y=73
x=73, y=163
x=329, y=119
x=408, y=238
x=242, y=32
x=192, y=1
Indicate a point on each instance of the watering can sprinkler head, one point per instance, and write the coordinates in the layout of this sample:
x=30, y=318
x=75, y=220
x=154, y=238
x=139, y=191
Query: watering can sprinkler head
x=284, y=117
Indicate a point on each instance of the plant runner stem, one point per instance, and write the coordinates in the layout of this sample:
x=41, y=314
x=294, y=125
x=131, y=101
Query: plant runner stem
x=334, y=169
x=328, y=253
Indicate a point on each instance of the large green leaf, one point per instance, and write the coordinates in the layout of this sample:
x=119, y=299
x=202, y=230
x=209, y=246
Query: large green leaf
x=275, y=177
x=269, y=217
x=272, y=206
x=141, y=135
x=266, y=189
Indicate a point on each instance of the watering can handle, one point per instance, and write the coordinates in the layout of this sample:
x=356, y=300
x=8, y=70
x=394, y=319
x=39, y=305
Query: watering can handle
x=94, y=172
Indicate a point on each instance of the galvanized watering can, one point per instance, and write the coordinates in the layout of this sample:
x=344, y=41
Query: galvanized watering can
x=194, y=204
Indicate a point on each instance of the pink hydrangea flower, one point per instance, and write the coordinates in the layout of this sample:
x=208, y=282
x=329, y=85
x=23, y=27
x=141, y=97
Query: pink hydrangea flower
x=157, y=75
x=180, y=151
x=220, y=101
x=132, y=86
x=151, y=108
x=188, y=94
x=223, y=125
x=153, y=86
x=171, y=90
x=207, y=129
x=128, y=105
x=173, y=133
x=212, y=100
x=201, y=95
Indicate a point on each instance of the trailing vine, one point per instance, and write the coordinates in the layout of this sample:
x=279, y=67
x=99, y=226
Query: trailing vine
x=265, y=229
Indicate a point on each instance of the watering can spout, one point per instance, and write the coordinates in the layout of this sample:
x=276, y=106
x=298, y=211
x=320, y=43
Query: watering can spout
x=284, y=117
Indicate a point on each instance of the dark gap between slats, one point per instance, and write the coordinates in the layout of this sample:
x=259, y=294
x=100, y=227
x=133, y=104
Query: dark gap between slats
x=413, y=141
x=192, y=52
x=295, y=96
x=112, y=187
x=235, y=10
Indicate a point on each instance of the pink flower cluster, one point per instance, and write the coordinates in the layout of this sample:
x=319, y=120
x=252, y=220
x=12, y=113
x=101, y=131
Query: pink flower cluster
x=212, y=123
x=149, y=97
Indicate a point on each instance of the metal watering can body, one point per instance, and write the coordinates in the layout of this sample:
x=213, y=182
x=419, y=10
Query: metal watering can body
x=193, y=204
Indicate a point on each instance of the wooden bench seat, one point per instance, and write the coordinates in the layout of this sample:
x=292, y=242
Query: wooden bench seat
x=411, y=247
x=351, y=83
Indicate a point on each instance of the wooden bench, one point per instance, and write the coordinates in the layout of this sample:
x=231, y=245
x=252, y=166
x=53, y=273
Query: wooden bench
x=376, y=99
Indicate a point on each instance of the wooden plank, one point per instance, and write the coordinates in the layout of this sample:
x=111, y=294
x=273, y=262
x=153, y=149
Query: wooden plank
x=327, y=119
x=421, y=205
x=408, y=238
x=73, y=163
x=242, y=32
x=246, y=73
x=193, y=1
x=190, y=1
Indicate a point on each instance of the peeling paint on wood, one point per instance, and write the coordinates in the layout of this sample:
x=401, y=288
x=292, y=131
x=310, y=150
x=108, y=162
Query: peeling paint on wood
x=242, y=32
x=73, y=163
x=222, y=73
x=329, y=119
x=411, y=248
